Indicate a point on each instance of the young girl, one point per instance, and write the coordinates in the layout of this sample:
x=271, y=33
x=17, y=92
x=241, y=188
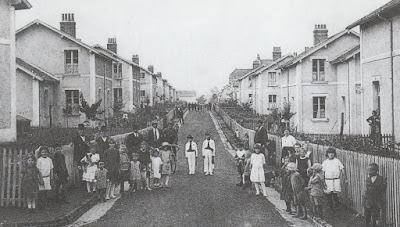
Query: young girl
x=124, y=167
x=30, y=183
x=287, y=191
x=60, y=174
x=135, y=175
x=101, y=181
x=145, y=162
x=111, y=163
x=90, y=160
x=374, y=197
x=166, y=156
x=257, y=176
x=156, y=166
x=299, y=194
x=316, y=186
x=45, y=166
x=333, y=169
x=303, y=163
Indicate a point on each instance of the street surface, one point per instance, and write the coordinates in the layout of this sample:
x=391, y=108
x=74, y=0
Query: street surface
x=199, y=200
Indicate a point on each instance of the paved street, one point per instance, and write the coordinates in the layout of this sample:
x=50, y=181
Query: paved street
x=196, y=200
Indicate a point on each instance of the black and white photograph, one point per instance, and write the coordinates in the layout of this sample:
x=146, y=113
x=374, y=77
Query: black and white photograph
x=206, y=113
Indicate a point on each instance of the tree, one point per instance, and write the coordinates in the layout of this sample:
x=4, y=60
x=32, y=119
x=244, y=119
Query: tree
x=201, y=99
x=281, y=116
x=214, y=95
x=90, y=111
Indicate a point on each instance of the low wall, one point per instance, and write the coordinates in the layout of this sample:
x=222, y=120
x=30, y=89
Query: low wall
x=355, y=164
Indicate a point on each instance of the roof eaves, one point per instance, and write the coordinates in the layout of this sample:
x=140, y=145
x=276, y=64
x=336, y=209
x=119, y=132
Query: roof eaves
x=346, y=55
x=22, y=4
x=34, y=75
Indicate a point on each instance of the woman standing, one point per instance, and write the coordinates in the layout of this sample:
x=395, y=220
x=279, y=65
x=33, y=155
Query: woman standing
x=112, y=162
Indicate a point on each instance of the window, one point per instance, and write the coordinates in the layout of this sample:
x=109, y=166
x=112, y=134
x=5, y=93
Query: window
x=72, y=99
x=117, y=95
x=142, y=93
x=71, y=61
x=318, y=69
x=250, y=82
x=117, y=68
x=319, y=107
x=272, y=101
x=271, y=78
x=142, y=75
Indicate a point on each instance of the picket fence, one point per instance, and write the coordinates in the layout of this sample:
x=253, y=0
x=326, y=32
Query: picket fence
x=12, y=162
x=355, y=164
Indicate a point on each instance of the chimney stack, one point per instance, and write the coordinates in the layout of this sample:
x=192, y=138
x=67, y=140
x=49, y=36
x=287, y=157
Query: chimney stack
x=150, y=68
x=135, y=59
x=257, y=62
x=67, y=24
x=112, y=44
x=159, y=74
x=277, y=53
x=320, y=33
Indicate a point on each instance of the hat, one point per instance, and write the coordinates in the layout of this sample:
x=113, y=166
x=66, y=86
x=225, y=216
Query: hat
x=154, y=122
x=208, y=134
x=317, y=167
x=164, y=144
x=81, y=126
x=103, y=128
x=373, y=166
x=189, y=137
x=240, y=145
x=258, y=146
x=56, y=145
x=260, y=121
x=291, y=166
x=101, y=163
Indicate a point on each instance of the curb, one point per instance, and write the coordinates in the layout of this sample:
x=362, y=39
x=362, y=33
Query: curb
x=314, y=221
x=67, y=219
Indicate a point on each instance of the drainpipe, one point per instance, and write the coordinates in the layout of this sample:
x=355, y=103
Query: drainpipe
x=348, y=94
x=391, y=69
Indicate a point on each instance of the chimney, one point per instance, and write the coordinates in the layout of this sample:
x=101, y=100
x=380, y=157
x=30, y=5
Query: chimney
x=150, y=68
x=67, y=24
x=135, y=59
x=306, y=48
x=159, y=74
x=277, y=53
x=320, y=33
x=112, y=44
x=257, y=62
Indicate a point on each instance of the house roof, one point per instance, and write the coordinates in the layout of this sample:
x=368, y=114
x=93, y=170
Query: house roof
x=63, y=35
x=22, y=4
x=251, y=72
x=272, y=64
x=346, y=55
x=390, y=8
x=317, y=47
x=22, y=119
x=238, y=73
x=35, y=71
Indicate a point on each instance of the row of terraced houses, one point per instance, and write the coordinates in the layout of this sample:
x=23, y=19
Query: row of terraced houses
x=45, y=69
x=334, y=85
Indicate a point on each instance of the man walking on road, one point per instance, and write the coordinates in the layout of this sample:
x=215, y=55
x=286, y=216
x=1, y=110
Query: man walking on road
x=191, y=154
x=208, y=151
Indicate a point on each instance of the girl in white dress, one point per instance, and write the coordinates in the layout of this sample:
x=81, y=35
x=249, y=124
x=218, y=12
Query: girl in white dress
x=91, y=159
x=257, y=162
x=333, y=169
x=156, y=166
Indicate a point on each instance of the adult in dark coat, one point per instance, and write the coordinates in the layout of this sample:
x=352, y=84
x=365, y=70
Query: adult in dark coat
x=170, y=135
x=154, y=136
x=261, y=135
x=112, y=164
x=60, y=173
x=102, y=141
x=81, y=148
x=133, y=140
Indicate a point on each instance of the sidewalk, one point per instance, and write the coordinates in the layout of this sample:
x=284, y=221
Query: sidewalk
x=59, y=215
x=342, y=217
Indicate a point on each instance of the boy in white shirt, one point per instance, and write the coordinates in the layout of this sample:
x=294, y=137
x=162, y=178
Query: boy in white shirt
x=240, y=162
x=208, y=151
x=191, y=154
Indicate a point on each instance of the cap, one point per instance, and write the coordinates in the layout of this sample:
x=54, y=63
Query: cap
x=154, y=122
x=81, y=126
x=103, y=128
x=258, y=146
x=190, y=137
x=164, y=144
x=208, y=134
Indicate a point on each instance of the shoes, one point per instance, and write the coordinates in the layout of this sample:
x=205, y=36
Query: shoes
x=206, y=174
x=107, y=198
x=211, y=174
x=257, y=193
x=113, y=197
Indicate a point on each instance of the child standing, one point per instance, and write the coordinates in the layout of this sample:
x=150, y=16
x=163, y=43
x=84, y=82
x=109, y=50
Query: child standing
x=135, y=175
x=287, y=191
x=60, y=174
x=45, y=166
x=374, y=198
x=240, y=162
x=303, y=163
x=101, y=181
x=145, y=162
x=316, y=186
x=299, y=194
x=124, y=167
x=191, y=154
x=91, y=160
x=166, y=157
x=111, y=163
x=333, y=169
x=30, y=183
x=156, y=166
x=246, y=171
x=257, y=176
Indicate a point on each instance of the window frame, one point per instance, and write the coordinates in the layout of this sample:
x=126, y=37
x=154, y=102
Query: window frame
x=71, y=61
x=317, y=76
x=271, y=82
x=272, y=105
x=75, y=105
x=317, y=114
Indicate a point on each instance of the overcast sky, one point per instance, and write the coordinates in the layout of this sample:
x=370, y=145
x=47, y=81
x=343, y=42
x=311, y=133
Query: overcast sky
x=196, y=44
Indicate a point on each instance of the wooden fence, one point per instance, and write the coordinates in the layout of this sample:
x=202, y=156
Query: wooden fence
x=12, y=161
x=355, y=164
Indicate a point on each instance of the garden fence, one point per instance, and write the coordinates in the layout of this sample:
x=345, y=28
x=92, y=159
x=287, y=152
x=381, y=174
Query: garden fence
x=12, y=162
x=355, y=164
